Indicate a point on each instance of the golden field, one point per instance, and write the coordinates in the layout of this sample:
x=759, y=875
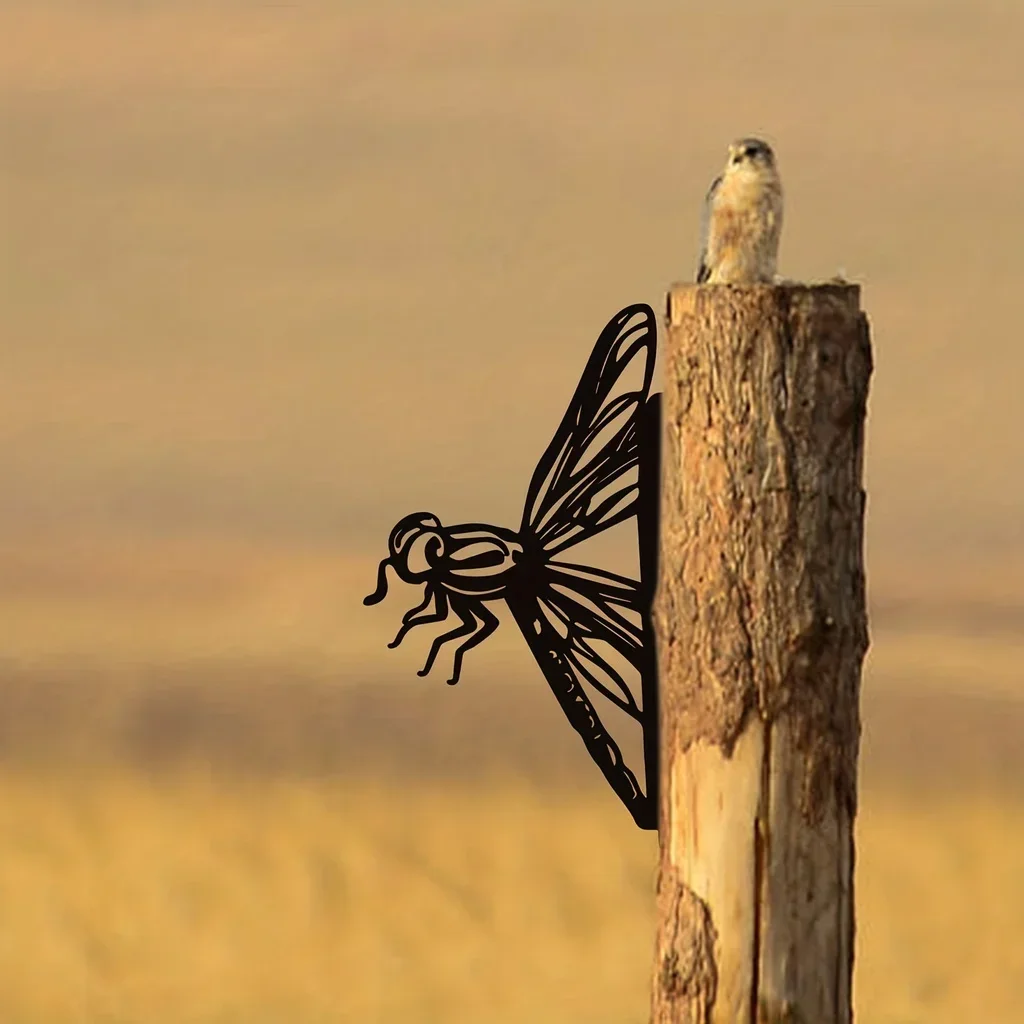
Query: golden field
x=274, y=275
x=193, y=900
x=289, y=850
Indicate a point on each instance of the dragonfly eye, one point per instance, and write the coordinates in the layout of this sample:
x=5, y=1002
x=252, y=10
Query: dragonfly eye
x=423, y=553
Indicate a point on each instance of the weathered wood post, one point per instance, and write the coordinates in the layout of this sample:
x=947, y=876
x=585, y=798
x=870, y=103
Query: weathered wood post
x=761, y=630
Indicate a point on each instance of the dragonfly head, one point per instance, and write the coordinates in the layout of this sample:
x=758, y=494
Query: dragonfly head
x=415, y=548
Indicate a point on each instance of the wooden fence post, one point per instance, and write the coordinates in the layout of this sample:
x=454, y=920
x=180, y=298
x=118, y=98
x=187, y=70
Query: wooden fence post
x=761, y=631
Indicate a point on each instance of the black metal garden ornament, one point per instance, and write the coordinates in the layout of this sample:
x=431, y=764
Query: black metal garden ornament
x=600, y=469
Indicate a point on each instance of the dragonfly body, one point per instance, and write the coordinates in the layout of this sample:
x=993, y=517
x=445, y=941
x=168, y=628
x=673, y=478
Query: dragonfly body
x=481, y=561
x=461, y=567
x=599, y=470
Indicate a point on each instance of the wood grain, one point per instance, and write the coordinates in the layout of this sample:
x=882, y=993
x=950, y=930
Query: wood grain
x=761, y=626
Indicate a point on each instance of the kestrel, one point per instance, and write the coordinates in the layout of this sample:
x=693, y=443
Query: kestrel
x=742, y=218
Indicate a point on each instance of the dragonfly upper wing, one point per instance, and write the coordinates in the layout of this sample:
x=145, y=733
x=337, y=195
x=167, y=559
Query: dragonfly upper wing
x=587, y=480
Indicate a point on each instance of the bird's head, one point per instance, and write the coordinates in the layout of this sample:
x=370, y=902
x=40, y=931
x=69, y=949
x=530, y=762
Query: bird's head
x=750, y=156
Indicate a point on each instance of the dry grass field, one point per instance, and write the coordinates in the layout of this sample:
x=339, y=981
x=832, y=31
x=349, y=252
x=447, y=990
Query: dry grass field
x=181, y=850
x=194, y=900
x=275, y=274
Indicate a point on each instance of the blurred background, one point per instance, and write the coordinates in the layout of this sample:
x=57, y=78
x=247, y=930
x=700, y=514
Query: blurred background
x=275, y=275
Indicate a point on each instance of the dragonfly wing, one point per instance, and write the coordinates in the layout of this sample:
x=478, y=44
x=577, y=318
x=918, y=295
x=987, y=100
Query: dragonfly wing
x=587, y=479
x=599, y=607
x=578, y=611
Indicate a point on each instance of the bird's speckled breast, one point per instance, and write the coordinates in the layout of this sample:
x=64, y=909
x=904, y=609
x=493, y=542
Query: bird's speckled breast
x=746, y=222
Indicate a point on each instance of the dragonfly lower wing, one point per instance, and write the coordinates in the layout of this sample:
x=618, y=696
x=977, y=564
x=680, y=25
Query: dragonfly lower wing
x=551, y=650
x=599, y=605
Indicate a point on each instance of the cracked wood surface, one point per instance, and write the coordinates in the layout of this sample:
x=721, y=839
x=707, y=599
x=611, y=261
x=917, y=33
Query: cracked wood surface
x=761, y=629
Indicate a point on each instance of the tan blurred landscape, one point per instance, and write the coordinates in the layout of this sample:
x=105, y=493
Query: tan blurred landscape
x=275, y=275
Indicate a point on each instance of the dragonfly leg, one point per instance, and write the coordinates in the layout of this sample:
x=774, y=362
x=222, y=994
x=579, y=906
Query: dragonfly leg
x=470, y=627
x=488, y=624
x=413, y=618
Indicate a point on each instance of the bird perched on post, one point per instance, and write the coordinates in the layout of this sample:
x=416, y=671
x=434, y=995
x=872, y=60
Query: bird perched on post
x=742, y=218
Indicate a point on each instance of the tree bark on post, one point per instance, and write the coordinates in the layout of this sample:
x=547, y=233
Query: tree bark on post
x=761, y=631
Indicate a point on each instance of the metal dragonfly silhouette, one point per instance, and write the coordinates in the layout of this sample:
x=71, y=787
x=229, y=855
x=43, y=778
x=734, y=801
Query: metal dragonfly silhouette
x=600, y=469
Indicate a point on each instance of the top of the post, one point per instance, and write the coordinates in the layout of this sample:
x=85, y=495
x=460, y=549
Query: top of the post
x=687, y=299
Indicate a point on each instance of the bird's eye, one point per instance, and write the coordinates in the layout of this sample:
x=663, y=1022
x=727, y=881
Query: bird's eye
x=750, y=151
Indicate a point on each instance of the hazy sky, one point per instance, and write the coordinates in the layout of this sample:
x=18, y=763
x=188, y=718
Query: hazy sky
x=282, y=273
